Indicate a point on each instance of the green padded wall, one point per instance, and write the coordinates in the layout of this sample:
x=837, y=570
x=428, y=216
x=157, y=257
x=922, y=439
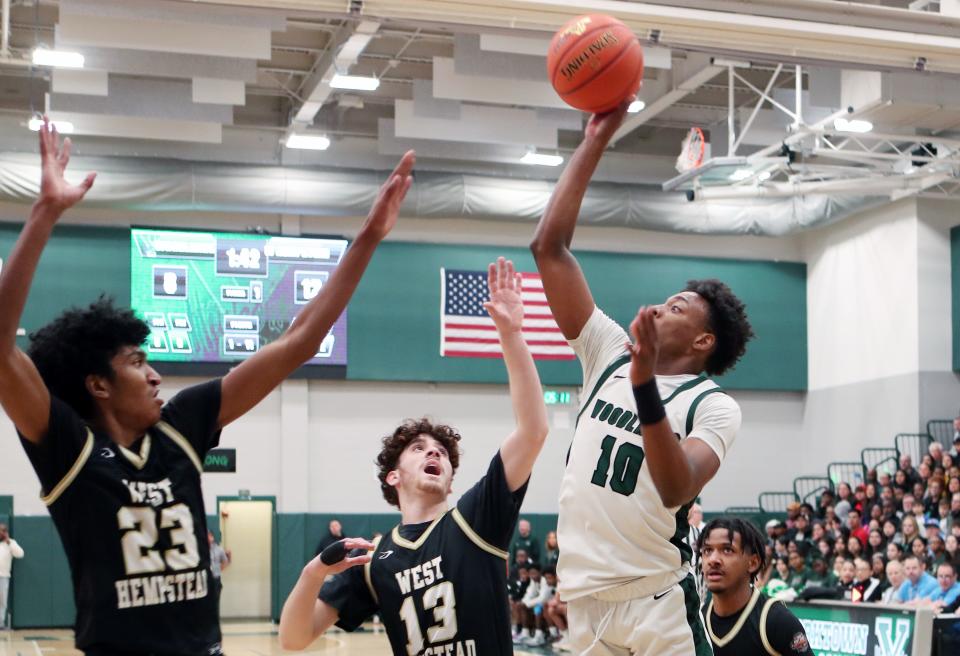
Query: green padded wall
x=42, y=590
x=395, y=314
x=78, y=264
x=394, y=324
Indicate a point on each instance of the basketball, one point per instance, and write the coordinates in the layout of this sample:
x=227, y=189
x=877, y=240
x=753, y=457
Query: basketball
x=594, y=63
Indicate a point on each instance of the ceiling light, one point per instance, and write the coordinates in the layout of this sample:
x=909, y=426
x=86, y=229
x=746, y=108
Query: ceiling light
x=308, y=141
x=355, y=82
x=636, y=106
x=765, y=175
x=852, y=125
x=741, y=174
x=63, y=127
x=539, y=159
x=57, y=58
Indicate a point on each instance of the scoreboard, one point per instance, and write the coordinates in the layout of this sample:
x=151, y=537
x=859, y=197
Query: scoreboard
x=218, y=297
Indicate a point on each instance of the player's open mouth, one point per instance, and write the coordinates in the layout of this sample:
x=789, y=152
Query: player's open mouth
x=715, y=575
x=433, y=468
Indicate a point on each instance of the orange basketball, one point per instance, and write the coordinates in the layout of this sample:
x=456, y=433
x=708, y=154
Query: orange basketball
x=594, y=62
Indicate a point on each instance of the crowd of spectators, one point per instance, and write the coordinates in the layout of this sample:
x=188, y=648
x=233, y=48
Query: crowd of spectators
x=892, y=538
x=538, y=615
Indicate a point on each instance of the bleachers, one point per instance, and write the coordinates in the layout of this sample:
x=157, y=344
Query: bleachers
x=851, y=473
x=942, y=431
x=807, y=489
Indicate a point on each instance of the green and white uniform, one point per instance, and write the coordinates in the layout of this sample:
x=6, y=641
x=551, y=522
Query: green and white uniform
x=617, y=540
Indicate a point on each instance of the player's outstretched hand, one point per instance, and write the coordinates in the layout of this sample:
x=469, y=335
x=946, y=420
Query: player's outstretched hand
x=55, y=192
x=383, y=214
x=506, y=303
x=645, y=347
x=336, y=558
x=603, y=126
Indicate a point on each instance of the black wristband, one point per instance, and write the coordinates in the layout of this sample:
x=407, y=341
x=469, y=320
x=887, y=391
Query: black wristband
x=334, y=553
x=649, y=406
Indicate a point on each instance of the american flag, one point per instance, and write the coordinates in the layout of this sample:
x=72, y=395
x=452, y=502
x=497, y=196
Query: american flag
x=467, y=331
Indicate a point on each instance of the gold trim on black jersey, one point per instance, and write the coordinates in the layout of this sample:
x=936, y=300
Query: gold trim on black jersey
x=65, y=482
x=744, y=614
x=400, y=541
x=763, y=628
x=476, y=539
x=182, y=442
x=138, y=460
x=367, y=576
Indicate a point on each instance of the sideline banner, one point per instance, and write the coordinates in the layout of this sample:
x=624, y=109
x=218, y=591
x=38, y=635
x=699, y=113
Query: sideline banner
x=857, y=629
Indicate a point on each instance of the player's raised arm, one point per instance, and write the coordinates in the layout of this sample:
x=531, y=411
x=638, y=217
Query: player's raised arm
x=305, y=617
x=567, y=292
x=521, y=448
x=679, y=470
x=251, y=381
x=22, y=392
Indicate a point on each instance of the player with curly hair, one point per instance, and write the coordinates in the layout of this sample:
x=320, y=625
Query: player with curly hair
x=438, y=579
x=652, y=431
x=119, y=468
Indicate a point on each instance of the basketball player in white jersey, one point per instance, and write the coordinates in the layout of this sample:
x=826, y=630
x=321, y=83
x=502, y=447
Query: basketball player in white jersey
x=652, y=431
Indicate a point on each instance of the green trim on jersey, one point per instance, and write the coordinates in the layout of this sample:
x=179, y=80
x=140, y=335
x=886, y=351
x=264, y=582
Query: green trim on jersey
x=690, y=384
x=619, y=362
x=691, y=413
x=679, y=539
x=701, y=643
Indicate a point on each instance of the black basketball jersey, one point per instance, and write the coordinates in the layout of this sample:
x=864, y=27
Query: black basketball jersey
x=440, y=587
x=763, y=627
x=133, y=526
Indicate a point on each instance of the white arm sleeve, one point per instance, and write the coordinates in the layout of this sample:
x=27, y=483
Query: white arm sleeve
x=717, y=422
x=601, y=341
x=15, y=549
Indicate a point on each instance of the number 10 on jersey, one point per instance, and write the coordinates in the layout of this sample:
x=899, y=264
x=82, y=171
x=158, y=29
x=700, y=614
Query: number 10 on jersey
x=626, y=466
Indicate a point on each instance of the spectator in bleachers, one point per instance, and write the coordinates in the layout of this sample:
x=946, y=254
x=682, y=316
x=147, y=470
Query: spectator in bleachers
x=782, y=569
x=775, y=529
x=894, y=551
x=875, y=543
x=919, y=585
x=854, y=547
x=878, y=563
x=551, y=552
x=801, y=529
x=909, y=529
x=950, y=548
x=935, y=449
x=943, y=515
x=865, y=587
x=948, y=590
x=955, y=452
x=517, y=582
x=793, y=511
x=799, y=573
x=931, y=499
x=520, y=561
x=860, y=500
x=910, y=474
x=918, y=548
x=827, y=499
x=819, y=575
x=857, y=530
x=895, y=577
x=817, y=531
x=527, y=541
x=891, y=530
x=825, y=547
x=901, y=481
x=884, y=479
x=846, y=578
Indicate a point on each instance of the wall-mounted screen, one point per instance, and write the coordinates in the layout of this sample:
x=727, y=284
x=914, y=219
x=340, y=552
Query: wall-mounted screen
x=219, y=297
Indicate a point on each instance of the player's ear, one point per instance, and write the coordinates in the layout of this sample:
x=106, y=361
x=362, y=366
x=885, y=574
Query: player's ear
x=705, y=342
x=97, y=386
x=393, y=478
x=753, y=564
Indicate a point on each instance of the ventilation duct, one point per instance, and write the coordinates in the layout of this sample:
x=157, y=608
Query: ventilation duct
x=171, y=185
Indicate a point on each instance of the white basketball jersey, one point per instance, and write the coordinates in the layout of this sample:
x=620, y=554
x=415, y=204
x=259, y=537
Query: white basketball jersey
x=613, y=528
